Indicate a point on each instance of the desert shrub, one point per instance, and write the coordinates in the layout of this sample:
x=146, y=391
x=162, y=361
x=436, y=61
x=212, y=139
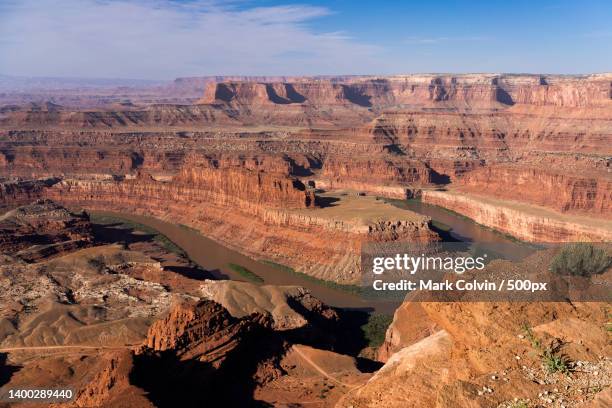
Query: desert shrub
x=97, y=263
x=555, y=362
x=580, y=259
x=375, y=329
x=246, y=273
x=552, y=359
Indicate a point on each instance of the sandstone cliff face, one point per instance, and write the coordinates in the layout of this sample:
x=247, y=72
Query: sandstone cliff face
x=344, y=171
x=496, y=136
x=27, y=154
x=560, y=91
x=319, y=92
x=563, y=191
x=15, y=193
x=150, y=116
x=523, y=222
x=320, y=246
x=215, y=358
x=237, y=184
x=410, y=325
x=47, y=161
x=204, y=330
x=479, y=90
x=110, y=385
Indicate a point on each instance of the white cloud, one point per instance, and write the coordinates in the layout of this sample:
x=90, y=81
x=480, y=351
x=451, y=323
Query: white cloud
x=165, y=39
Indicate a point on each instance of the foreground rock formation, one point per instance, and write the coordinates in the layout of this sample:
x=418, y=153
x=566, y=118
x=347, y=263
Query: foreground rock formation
x=478, y=354
x=111, y=319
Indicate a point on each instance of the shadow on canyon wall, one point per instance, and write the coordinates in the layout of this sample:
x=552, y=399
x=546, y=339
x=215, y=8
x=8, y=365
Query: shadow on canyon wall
x=303, y=169
x=232, y=379
x=344, y=336
x=113, y=233
x=6, y=370
x=324, y=202
x=357, y=96
x=439, y=178
x=292, y=96
x=395, y=148
x=172, y=382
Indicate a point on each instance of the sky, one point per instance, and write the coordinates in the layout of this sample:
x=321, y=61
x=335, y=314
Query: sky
x=165, y=39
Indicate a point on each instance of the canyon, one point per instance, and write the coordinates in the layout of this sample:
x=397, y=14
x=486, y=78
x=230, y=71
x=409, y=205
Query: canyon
x=261, y=147
x=298, y=173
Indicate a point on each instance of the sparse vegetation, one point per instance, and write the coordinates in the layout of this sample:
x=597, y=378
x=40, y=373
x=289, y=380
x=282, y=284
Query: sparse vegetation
x=246, y=273
x=354, y=289
x=551, y=357
x=375, y=329
x=580, y=259
x=441, y=226
x=555, y=362
x=96, y=263
x=188, y=228
x=519, y=404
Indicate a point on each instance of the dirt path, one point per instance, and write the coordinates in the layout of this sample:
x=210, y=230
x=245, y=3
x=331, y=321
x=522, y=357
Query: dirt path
x=319, y=369
x=78, y=347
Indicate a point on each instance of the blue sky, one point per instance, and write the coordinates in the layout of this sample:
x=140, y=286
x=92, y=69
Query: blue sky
x=163, y=39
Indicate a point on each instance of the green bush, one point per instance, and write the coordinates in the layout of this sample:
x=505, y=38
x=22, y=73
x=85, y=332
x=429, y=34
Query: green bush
x=246, y=273
x=580, y=259
x=375, y=329
x=97, y=263
x=555, y=362
x=551, y=356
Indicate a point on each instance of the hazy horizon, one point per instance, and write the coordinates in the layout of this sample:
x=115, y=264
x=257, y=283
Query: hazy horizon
x=152, y=81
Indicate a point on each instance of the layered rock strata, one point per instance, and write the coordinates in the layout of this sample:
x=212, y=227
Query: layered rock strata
x=510, y=137
x=419, y=89
x=527, y=222
x=324, y=247
x=560, y=189
x=50, y=228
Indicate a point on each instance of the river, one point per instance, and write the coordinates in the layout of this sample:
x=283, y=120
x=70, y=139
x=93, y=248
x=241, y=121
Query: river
x=215, y=257
x=465, y=230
